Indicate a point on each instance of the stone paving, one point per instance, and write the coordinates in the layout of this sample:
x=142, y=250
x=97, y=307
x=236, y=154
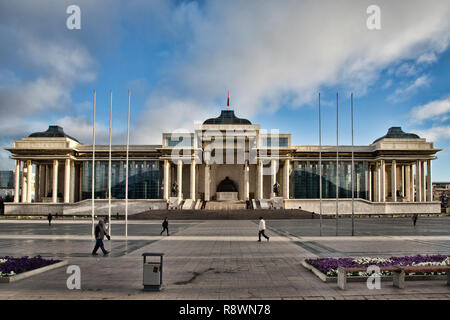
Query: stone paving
x=216, y=260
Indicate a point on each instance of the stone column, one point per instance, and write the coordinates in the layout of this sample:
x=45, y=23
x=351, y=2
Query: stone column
x=29, y=185
x=55, y=181
x=369, y=185
x=418, y=181
x=17, y=182
x=383, y=181
x=24, y=182
x=72, y=181
x=403, y=181
x=246, y=182
x=424, y=182
x=394, y=181
x=192, y=189
x=80, y=182
x=180, y=179
x=37, y=179
x=273, y=176
x=207, y=182
x=377, y=182
x=67, y=181
x=429, y=182
x=407, y=183
x=286, y=178
x=47, y=180
x=166, y=180
x=259, y=182
x=411, y=182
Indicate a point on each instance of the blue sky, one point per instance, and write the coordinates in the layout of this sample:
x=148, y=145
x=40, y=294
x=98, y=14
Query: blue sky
x=179, y=58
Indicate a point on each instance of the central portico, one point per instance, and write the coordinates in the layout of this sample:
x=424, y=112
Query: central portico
x=223, y=152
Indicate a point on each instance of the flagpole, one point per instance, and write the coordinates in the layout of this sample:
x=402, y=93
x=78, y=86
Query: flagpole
x=353, y=173
x=109, y=163
x=126, y=170
x=337, y=161
x=320, y=168
x=93, y=170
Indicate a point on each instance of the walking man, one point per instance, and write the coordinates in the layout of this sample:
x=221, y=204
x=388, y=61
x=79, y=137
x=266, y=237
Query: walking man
x=49, y=218
x=165, y=226
x=262, y=227
x=100, y=233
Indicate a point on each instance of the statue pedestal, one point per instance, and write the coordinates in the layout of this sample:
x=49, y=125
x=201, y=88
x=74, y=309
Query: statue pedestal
x=277, y=202
x=227, y=196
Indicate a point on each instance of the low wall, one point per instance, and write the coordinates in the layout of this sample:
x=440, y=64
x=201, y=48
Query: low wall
x=363, y=206
x=84, y=207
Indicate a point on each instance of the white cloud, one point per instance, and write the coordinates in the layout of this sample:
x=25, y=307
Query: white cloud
x=279, y=52
x=62, y=67
x=406, y=69
x=434, y=110
x=427, y=58
x=403, y=93
x=435, y=133
x=81, y=129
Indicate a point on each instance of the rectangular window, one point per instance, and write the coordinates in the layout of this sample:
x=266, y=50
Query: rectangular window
x=180, y=141
x=272, y=141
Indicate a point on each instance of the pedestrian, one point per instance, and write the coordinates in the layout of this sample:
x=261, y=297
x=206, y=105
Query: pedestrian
x=415, y=216
x=49, y=218
x=262, y=228
x=100, y=234
x=165, y=226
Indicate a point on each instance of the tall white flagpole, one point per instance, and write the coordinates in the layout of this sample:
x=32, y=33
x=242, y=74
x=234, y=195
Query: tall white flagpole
x=353, y=173
x=320, y=167
x=109, y=163
x=126, y=170
x=93, y=170
x=337, y=161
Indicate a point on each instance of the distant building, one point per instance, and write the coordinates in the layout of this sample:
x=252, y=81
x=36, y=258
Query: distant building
x=441, y=192
x=392, y=175
x=6, y=183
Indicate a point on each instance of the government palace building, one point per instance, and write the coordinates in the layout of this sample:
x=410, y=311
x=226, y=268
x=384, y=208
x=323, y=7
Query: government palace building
x=226, y=163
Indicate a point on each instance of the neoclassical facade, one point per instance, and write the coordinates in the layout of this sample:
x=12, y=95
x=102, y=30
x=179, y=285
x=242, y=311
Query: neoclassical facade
x=226, y=162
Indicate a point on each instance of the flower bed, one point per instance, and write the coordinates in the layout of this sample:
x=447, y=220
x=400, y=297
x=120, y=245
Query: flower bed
x=329, y=266
x=10, y=266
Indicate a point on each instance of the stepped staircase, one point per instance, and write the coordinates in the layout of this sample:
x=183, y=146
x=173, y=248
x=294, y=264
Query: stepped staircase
x=225, y=205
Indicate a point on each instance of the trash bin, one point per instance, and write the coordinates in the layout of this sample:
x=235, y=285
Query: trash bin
x=152, y=272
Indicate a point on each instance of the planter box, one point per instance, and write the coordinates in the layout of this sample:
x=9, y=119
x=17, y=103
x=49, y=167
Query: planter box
x=31, y=273
x=322, y=276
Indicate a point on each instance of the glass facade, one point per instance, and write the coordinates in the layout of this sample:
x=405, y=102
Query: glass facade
x=180, y=141
x=7, y=179
x=304, y=180
x=267, y=142
x=145, y=180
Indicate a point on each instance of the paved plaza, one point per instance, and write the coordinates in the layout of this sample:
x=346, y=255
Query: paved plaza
x=220, y=259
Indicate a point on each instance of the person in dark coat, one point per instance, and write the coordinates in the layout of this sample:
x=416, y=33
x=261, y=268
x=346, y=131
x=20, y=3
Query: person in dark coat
x=100, y=233
x=49, y=218
x=165, y=226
